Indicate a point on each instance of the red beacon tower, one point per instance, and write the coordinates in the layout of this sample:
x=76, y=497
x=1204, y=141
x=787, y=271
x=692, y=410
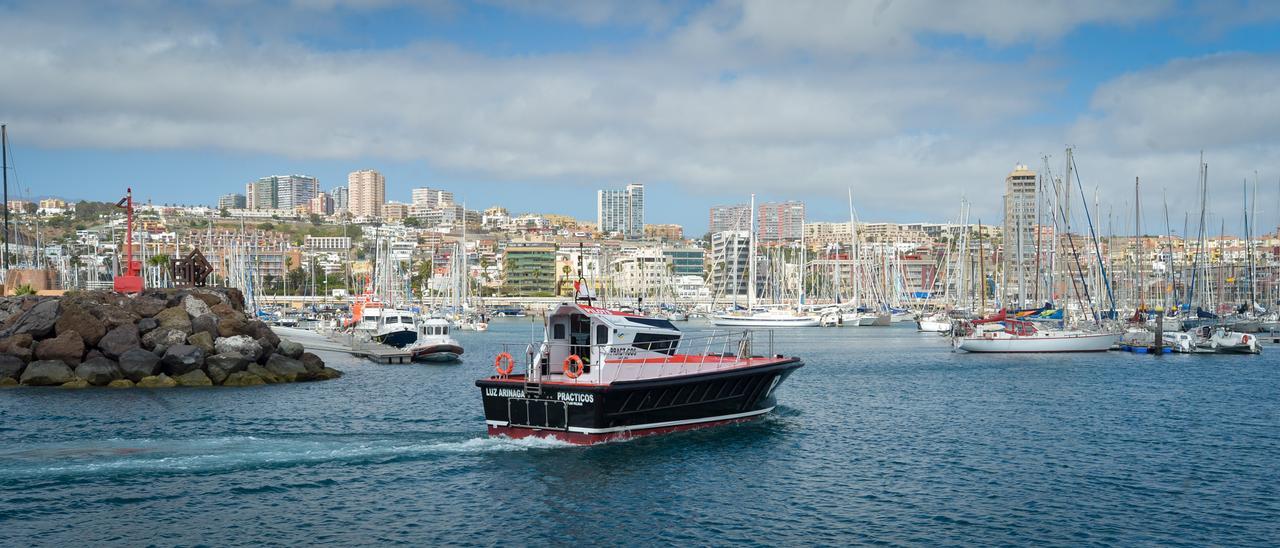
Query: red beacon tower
x=131, y=280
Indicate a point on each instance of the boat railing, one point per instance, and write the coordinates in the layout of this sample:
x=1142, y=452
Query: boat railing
x=691, y=354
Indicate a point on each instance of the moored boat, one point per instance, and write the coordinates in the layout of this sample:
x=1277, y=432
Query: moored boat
x=1000, y=334
x=434, y=343
x=602, y=375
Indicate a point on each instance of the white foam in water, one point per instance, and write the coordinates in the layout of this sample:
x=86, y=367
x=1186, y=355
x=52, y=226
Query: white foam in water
x=118, y=456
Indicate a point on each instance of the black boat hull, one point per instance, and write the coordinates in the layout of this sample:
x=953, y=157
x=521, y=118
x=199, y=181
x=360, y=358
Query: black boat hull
x=597, y=413
x=398, y=339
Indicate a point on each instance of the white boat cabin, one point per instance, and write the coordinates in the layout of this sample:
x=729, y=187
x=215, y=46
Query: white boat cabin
x=598, y=336
x=434, y=327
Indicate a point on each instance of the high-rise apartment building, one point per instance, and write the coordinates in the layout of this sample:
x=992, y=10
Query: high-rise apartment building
x=432, y=198
x=231, y=201
x=780, y=222
x=729, y=217
x=367, y=191
x=730, y=250
x=281, y=192
x=260, y=194
x=1020, y=233
x=293, y=191
x=621, y=211
x=339, y=195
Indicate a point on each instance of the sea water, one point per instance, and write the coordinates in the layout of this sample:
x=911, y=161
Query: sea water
x=885, y=436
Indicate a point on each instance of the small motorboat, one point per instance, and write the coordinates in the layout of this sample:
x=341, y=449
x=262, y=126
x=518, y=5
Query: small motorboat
x=1224, y=341
x=602, y=375
x=389, y=326
x=434, y=343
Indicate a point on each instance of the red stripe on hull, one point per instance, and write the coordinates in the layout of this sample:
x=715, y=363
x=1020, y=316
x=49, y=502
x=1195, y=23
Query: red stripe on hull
x=580, y=438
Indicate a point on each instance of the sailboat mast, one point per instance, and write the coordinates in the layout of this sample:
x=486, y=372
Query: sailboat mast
x=1137, y=251
x=4, y=160
x=751, y=256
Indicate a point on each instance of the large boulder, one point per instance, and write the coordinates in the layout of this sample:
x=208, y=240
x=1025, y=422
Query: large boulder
x=162, y=338
x=147, y=325
x=263, y=331
x=19, y=346
x=235, y=298
x=221, y=366
x=202, y=340
x=120, y=383
x=38, y=321
x=224, y=312
x=263, y=373
x=194, y=377
x=288, y=369
x=243, y=378
x=118, y=341
x=75, y=318
x=76, y=382
x=114, y=317
x=312, y=362
x=230, y=327
x=209, y=297
x=175, y=318
x=47, y=373
x=239, y=344
x=146, y=306
x=207, y=323
x=157, y=381
x=138, y=363
x=194, y=306
x=268, y=350
x=11, y=366
x=68, y=347
x=290, y=349
x=182, y=358
x=99, y=371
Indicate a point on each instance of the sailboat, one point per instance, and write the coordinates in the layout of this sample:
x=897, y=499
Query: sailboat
x=767, y=318
x=1003, y=334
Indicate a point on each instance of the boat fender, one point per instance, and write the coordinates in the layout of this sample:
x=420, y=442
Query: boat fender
x=504, y=358
x=573, y=366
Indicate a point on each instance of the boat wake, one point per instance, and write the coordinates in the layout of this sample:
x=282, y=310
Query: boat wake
x=117, y=457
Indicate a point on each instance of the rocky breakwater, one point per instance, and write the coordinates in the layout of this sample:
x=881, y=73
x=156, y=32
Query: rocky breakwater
x=161, y=338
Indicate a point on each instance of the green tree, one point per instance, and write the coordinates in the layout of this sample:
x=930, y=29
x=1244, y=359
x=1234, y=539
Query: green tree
x=266, y=226
x=413, y=222
x=224, y=213
x=315, y=219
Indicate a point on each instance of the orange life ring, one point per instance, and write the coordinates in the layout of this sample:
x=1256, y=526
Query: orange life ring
x=575, y=371
x=511, y=364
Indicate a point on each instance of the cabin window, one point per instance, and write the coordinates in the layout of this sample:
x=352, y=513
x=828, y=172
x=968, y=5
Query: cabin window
x=557, y=331
x=665, y=344
x=406, y=319
x=602, y=334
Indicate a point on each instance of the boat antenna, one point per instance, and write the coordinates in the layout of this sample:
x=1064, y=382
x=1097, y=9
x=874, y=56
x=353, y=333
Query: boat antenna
x=582, y=289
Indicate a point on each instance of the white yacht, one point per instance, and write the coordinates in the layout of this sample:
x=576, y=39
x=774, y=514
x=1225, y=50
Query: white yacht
x=389, y=326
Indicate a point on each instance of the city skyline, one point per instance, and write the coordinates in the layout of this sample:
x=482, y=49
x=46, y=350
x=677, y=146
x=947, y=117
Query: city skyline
x=698, y=100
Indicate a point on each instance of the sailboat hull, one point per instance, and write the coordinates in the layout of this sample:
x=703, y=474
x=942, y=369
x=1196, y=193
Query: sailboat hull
x=760, y=321
x=1005, y=343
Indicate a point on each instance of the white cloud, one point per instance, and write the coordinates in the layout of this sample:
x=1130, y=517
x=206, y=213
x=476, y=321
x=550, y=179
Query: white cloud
x=746, y=96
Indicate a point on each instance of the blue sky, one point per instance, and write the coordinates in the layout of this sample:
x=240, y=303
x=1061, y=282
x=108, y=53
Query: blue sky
x=535, y=105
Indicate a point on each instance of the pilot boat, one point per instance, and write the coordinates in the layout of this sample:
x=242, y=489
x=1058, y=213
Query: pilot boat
x=434, y=343
x=602, y=375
